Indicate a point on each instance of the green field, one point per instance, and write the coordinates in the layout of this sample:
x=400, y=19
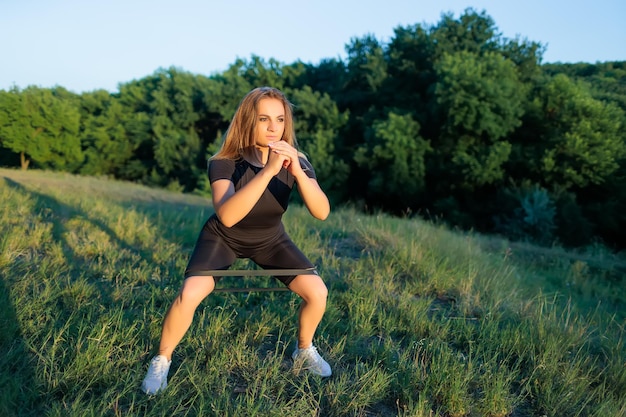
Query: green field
x=421, y=320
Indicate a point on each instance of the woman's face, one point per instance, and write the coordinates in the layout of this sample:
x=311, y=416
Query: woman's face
x=270, y=123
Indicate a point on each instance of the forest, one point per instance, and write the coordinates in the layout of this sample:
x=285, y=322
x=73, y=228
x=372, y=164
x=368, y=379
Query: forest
x=451, y=121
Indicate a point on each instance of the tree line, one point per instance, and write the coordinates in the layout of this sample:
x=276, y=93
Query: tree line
x=449, y=121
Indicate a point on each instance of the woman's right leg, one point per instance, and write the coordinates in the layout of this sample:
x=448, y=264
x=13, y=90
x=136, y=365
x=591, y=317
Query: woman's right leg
x=180, y=314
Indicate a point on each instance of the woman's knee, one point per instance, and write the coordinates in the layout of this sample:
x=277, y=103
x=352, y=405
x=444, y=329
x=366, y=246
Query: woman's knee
x=322, y=290
x=195, y=289
x=310, y=287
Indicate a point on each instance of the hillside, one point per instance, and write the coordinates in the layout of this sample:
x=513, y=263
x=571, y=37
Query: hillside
x=421, y=320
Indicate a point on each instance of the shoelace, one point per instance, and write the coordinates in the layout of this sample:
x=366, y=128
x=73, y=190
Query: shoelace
x=314, y=355
x=157, y=369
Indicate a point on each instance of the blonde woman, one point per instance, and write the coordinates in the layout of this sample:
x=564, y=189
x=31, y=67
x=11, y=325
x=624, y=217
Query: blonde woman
x=251, y=179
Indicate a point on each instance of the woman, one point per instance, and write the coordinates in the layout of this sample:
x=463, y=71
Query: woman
x=251, y=179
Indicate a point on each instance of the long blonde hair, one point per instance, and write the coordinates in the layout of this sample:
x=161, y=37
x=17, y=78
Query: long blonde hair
x=239, y=139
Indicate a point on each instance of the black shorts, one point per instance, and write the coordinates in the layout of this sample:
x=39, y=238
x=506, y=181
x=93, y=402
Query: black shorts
x=214, y=252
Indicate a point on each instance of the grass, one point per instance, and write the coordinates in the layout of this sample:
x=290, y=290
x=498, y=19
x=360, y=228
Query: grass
x=421, y=320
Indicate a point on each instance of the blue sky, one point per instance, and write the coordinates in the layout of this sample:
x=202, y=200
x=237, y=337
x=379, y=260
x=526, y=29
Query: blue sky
x=85, y=45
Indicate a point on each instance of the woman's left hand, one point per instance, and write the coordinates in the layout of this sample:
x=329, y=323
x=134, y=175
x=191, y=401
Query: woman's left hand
x=313, y=196
x=292, y=164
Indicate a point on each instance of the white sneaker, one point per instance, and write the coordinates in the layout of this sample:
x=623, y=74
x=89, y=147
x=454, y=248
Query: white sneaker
x=311, y=360
x=156, y=379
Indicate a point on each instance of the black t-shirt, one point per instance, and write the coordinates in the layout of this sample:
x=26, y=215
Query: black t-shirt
x=264, y=220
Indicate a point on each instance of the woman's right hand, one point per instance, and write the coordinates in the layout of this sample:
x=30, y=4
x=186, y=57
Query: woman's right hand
x=276, y=161
x=231, y=206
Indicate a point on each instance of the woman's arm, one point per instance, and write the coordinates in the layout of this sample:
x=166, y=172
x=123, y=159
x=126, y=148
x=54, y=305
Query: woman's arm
x=312, y=194
x=231, y=206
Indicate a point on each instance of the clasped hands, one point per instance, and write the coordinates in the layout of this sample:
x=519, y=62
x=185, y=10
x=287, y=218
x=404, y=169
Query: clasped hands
x=283, y=155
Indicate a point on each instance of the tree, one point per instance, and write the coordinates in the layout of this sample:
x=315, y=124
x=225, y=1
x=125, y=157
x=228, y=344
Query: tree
x=472, y=32
x=258, y=73
x=317, y=123
x=581, y=140
x=40, y=127
x=173, y=116
x=607, y=80
x=411, y=56
x=105, y=140
x=526, y=55
x=367, y=70
x=329, y=76
x=394, y=155
x=480, y=101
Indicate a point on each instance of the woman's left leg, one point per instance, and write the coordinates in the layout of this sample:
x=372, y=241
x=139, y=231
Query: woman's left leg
x=284, y=254
x=314, y=293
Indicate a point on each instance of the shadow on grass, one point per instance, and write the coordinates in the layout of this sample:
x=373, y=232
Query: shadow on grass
x=18, y=396
x=23, y=393
x=59, y=212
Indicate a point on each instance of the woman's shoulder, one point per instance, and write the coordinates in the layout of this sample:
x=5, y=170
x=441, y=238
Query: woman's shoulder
x=304, y=160
x=221, y=162
x=223, y=168
x=307, y=167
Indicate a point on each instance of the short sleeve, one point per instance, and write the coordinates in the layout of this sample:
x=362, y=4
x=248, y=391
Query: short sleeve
x=221, y=169
x=307, y=168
